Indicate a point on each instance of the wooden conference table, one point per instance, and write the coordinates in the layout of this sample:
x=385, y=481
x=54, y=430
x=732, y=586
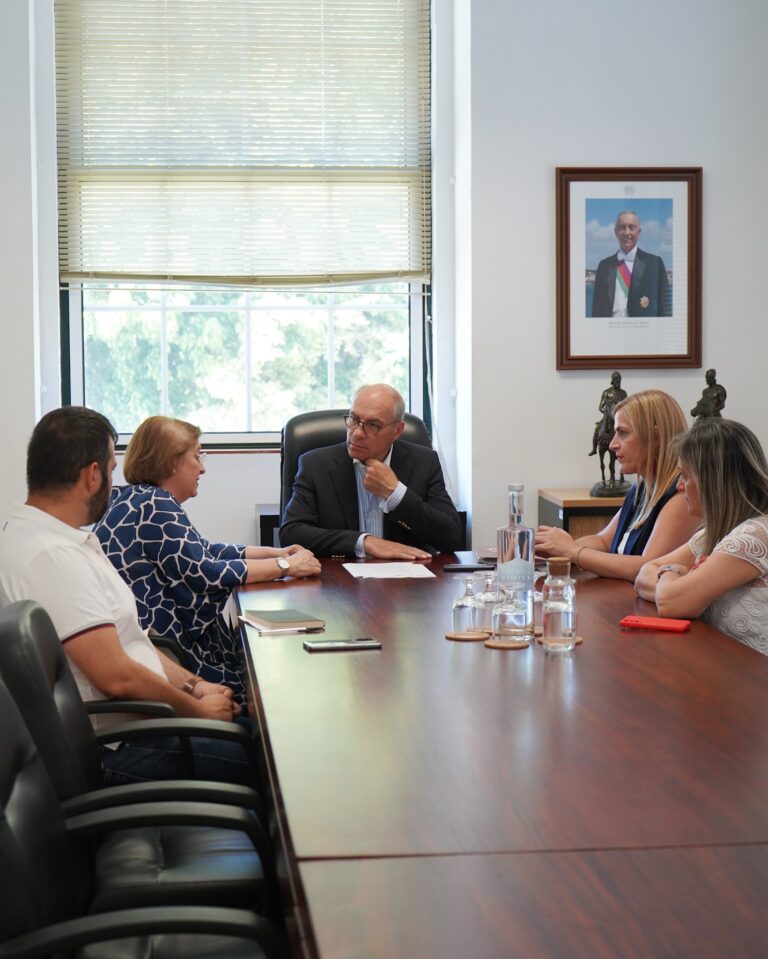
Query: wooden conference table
x=444, y=799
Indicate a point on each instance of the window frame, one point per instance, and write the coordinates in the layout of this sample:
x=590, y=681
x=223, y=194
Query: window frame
x=419, y=387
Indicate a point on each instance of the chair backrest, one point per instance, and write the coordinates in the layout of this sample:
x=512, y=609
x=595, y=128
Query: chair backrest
x=44, y=878
x=310, y=431
x=34, y=667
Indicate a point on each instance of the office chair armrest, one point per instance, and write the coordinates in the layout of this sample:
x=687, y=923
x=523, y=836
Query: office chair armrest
x=156, y=814
x=153, y=920
x=166, y=790
x=95, y=707
x=183, y=728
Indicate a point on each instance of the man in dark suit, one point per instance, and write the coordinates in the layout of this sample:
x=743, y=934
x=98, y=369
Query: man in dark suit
x=373, y=495
x=631, y=282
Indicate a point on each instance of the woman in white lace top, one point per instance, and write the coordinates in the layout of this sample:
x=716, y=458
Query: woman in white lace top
x=721, y=574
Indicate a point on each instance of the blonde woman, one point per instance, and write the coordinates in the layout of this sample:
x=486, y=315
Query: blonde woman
x=721, y=574
x=182, y=583
x=654, y=518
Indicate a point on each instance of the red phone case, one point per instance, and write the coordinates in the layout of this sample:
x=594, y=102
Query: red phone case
x=656, y=622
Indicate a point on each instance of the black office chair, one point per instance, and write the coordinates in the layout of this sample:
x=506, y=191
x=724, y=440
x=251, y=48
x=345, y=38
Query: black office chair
x=310, y=431
x=154, y=865
x=46, y=881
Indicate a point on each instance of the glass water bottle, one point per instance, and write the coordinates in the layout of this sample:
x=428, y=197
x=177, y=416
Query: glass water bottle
x=559, y=606
x=514, y=555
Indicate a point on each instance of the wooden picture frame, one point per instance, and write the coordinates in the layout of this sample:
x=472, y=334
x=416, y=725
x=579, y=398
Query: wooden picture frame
x=645, y=313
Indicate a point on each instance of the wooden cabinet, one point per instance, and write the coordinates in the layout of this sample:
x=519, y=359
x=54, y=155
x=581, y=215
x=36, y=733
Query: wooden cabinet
x=575, y=511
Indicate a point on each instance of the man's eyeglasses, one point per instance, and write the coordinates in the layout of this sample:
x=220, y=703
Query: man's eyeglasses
x=370, y=427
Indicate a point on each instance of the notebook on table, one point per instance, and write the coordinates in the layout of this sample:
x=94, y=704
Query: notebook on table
x=283, y=619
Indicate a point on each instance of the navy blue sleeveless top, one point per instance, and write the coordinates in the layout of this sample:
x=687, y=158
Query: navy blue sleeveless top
x=638, y=537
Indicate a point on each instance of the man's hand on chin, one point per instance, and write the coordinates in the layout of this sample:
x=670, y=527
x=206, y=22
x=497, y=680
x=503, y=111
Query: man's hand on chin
x=379, y=479
x=378, y=548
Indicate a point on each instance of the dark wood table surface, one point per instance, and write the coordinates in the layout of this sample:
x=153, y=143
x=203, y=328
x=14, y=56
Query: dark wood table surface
x=706, y=902
x=457, y=754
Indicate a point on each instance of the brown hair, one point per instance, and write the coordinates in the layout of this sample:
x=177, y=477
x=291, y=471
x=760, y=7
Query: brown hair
x=62, y=443
x=156, y=448
x=727, y=462
x=657, y=418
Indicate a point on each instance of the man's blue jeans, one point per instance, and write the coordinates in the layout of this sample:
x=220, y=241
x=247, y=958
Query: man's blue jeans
x=146, y=760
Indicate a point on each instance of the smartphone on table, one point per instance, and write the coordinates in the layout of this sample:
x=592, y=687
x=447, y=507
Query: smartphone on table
x=341, y=645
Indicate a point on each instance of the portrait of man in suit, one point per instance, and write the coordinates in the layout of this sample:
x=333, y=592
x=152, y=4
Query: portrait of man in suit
x=631, y=282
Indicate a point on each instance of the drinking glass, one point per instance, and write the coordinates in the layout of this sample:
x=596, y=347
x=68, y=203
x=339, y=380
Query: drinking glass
x=486, y=597
x=512, y=618
x=464, y=607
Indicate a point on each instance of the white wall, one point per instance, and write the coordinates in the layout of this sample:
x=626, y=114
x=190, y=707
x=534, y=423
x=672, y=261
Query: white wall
x=18, y=261
x=558, y=83
x=527, y=88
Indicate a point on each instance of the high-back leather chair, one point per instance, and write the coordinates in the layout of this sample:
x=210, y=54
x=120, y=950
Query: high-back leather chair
x=310, y=431
x=154, y=865
x=47, y=878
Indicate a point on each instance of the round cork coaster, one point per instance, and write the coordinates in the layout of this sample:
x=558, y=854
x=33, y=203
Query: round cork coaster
x=540, y=641
x=507, y=643
x=469, y=636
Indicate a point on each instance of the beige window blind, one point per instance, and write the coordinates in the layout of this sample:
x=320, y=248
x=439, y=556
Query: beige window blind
x=243, y=141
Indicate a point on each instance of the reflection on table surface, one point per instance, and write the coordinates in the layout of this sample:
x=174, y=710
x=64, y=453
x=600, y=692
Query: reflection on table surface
x=432, y=748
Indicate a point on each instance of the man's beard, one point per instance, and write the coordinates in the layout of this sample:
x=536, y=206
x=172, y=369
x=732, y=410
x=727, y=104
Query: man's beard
x=99, y=501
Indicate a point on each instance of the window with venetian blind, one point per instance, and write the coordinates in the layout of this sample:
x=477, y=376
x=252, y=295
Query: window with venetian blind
x=243, y=141
x=244, y=203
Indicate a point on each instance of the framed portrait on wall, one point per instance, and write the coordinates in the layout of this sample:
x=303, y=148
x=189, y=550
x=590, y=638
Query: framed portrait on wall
x=628, y=267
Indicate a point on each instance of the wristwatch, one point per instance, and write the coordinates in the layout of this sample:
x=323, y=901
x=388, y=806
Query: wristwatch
x=670, y=568
x=190, y=684
x=284, y=566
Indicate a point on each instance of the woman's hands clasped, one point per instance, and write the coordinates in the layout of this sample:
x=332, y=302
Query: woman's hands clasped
x=302, y=562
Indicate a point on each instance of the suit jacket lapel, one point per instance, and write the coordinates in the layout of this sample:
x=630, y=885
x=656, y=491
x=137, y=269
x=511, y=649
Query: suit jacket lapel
x=342, y=477
x=402, y=466
x=401, y=462
x=609, y=281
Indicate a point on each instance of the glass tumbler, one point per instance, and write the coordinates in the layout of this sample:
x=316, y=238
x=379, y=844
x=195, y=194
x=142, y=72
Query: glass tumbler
x=512, y=618
x=464, y=607
x=486, y=597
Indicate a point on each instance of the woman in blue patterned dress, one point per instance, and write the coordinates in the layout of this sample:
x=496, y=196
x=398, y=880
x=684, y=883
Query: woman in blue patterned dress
x=182, y=583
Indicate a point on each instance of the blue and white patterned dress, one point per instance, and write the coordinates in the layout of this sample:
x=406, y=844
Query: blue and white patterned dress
x=181, y=581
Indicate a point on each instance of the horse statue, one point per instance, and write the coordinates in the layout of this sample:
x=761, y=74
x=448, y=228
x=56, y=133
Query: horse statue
x=602, y=436
x=605, y=430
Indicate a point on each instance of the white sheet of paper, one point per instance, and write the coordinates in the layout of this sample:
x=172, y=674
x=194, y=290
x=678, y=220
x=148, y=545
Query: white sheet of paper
x=389, y=570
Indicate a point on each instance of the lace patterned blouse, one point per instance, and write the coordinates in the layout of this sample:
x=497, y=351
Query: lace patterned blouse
x=743, y=612
x=181, y=581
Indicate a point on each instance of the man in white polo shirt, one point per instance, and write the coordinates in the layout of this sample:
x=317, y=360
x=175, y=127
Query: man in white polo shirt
x=46, y=556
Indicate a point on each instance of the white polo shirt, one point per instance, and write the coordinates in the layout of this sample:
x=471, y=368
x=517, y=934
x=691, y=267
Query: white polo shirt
x=65, y=570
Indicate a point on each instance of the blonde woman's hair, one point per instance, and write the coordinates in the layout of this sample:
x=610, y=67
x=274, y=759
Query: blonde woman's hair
x=156, y=448
x=656, y=418
x=727, y=462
